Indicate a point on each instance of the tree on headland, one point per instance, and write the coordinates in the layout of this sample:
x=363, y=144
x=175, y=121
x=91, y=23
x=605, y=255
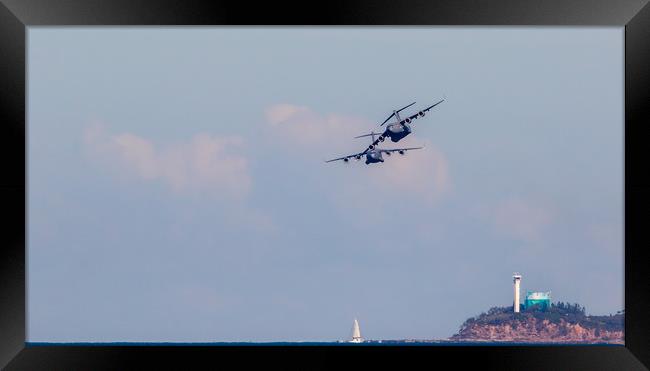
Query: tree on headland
x=558, y=312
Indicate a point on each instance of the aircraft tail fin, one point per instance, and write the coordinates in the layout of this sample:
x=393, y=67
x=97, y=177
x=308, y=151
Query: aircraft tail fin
x=372, y=134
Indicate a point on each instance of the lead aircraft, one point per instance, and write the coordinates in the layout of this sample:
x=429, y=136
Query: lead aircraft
x=401, y=127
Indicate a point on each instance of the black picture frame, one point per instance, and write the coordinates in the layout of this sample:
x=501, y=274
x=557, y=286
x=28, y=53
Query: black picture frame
x=17, y=15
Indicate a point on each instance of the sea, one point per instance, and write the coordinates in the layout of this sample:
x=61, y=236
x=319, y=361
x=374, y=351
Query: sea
x=370, y=343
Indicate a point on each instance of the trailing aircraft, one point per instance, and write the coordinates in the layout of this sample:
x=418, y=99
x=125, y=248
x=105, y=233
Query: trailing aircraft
x=374, y=154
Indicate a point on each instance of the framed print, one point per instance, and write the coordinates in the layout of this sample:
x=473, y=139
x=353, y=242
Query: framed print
x=397, y=182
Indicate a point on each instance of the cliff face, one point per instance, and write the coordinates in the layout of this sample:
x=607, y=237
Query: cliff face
x=536, y=330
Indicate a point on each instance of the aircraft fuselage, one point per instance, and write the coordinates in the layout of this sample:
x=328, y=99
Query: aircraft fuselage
x=397, y=131
x=373, y=156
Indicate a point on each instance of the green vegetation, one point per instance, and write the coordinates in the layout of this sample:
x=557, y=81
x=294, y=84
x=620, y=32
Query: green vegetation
x=558, y=312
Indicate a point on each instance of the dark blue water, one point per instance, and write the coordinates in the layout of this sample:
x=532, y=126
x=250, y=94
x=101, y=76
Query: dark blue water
x=319, y=344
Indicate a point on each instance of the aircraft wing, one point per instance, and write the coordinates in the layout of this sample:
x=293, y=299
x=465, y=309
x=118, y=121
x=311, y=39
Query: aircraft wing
x=399, y=149
x=348, y=157
x=416, y=115
x=393, y=114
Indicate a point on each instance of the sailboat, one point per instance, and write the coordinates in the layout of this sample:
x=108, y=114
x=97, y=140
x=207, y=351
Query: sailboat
x=356, y=333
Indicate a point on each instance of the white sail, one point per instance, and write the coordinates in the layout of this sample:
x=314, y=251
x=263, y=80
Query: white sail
x=356, y=332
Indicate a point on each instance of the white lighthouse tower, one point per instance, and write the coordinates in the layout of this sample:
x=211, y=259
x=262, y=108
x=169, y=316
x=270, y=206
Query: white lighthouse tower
x=516, y=279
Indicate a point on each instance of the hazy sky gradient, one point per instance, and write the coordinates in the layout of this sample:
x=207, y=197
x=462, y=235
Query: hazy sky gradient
x=177, y=190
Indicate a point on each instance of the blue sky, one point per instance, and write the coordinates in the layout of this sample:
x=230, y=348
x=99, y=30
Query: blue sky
x=177, y=189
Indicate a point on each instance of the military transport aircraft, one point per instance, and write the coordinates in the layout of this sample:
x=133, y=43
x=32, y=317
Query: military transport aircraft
x=400, y=128
x=374, y=154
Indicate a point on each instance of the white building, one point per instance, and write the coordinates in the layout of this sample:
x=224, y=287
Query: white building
x=516, y=279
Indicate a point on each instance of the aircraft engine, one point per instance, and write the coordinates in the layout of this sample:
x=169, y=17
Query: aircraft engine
x=346, y=159
x=401, y=152
x=408, y=121
x=381, y=139
x=421, y=113
x=371, y=146
x=357, y=157
x=387, y=153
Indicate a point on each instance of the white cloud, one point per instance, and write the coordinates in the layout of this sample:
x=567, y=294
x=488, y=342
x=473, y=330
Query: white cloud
x=423, y=173
x=302, y=128
x=206, y=163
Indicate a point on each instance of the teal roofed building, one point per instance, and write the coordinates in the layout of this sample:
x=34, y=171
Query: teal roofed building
x=543, y=299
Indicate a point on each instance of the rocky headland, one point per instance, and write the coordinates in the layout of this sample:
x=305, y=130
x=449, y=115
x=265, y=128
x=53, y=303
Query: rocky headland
x=561, y=323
